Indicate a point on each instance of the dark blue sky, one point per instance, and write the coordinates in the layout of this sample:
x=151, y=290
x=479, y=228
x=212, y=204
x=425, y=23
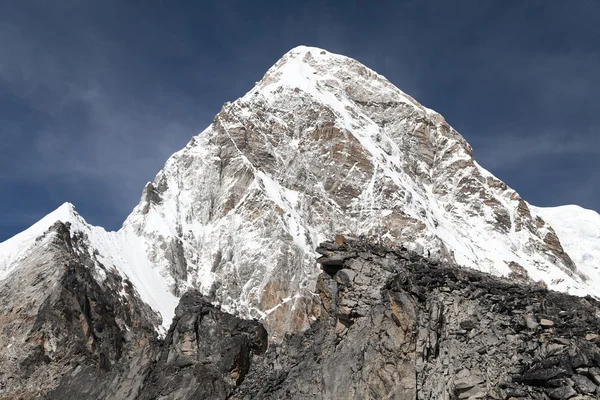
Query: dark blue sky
x=95, y=95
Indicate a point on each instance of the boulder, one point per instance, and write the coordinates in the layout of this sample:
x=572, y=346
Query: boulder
x=546, y=323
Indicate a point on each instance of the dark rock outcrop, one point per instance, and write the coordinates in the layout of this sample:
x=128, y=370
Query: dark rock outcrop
x=206, y=354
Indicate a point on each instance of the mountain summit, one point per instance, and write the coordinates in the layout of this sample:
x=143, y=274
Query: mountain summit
x=322, y=145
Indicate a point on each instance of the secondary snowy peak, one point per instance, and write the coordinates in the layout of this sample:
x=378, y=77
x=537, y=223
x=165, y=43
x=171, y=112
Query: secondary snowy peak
x=120, y=251
x=13, y=249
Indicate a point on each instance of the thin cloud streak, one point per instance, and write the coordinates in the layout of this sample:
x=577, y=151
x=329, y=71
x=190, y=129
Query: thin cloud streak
x=510, y=151
x=92, y=133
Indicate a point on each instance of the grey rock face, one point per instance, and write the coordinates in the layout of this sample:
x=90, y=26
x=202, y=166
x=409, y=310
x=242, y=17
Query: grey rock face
x=397, y=326
x=59, y=327
x=177, y=264
x=390, y=324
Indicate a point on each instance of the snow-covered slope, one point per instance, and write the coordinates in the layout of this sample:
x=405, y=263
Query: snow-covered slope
x=121, y=250
x=321, y=145
x=579, y=232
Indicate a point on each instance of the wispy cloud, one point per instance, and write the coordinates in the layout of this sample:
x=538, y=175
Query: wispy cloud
x=91, y=130
x=505, y=151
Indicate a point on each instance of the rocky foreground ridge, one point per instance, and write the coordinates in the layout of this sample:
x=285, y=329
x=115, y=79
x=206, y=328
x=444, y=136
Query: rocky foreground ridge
x=391, y=324
x=396, y=325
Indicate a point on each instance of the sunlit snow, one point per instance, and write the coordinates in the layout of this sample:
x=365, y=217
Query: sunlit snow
x=237, y=232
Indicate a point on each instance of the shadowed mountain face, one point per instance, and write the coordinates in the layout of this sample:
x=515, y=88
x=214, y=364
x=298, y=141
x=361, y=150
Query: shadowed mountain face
x=58, y=324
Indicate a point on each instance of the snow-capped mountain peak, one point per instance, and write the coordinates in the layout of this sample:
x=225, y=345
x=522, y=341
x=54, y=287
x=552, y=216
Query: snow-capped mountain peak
x=327, y=77
x=321, y=145
x=120, y=251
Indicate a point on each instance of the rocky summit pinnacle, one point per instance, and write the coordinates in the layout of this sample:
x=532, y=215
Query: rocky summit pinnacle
x=322, y=145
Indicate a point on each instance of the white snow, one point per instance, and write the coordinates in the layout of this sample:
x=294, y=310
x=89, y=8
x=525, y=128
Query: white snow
x=287, y=200
x=578, y=230
x=246, y=246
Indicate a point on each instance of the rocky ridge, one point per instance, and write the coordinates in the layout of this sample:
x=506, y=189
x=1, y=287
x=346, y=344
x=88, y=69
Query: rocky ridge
x=396, y=325
x=389, y=324
x=60, y=328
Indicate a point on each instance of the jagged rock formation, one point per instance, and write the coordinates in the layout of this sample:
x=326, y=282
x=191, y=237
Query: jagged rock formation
x=398, y=326
x=206, y=354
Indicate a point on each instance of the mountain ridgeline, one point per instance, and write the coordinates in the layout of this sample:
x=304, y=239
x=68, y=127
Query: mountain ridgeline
x=212, y=289
x=390, y=324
